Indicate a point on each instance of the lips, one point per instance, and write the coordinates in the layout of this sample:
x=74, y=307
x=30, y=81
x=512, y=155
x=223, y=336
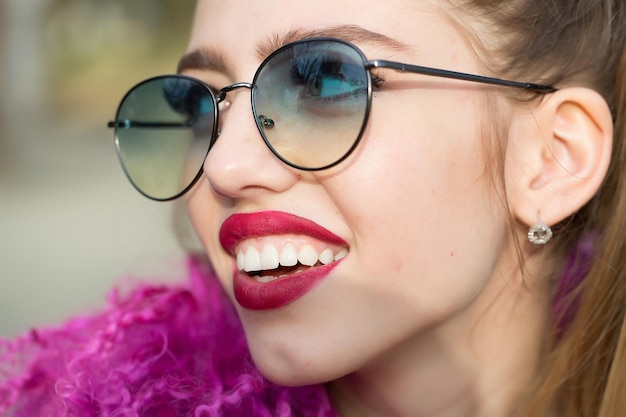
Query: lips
x=260, y=241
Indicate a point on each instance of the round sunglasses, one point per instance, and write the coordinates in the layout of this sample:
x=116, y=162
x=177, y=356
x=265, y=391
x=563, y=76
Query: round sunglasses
x=310, y=101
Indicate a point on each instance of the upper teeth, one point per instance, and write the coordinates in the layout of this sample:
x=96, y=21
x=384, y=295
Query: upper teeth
x=270, y=258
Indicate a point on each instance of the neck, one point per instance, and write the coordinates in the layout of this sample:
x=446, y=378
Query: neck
x=478, y=364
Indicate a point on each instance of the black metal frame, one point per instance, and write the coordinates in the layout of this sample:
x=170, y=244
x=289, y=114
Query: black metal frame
x=368, y=66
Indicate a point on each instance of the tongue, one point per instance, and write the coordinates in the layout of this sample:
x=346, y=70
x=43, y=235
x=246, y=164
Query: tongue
x=281, y=270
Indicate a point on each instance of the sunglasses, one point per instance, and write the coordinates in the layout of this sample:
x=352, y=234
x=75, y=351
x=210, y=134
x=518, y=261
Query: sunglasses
x=310, y=100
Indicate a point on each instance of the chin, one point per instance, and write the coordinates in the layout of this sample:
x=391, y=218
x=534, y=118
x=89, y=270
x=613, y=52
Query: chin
x=293, y=377
x=295, y=368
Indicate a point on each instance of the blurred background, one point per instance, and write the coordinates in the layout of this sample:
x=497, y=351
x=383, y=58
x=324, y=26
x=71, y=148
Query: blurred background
x=71, y=226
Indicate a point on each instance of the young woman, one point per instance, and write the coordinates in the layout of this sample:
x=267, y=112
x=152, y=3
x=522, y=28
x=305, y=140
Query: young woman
x=416, y=208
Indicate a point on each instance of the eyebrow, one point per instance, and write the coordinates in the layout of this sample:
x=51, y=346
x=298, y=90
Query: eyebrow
x=202, y=59
x=350, y=33
x=211, y=59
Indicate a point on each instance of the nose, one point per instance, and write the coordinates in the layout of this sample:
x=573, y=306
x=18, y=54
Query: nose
x=240, y=164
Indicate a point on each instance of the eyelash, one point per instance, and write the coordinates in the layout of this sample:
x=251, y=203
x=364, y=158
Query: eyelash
x=377, y=81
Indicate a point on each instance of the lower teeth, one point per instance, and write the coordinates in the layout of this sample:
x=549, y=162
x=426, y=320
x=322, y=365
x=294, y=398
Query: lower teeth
x=267, y=278
x=270, y=278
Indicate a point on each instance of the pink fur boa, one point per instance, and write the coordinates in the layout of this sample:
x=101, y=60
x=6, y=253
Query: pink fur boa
x=159, y=351
x=166, y=351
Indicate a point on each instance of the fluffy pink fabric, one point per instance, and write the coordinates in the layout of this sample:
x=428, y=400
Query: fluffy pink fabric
x=165, y=351
x=159, y=351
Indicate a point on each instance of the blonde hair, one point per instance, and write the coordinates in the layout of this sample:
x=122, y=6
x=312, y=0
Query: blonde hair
x=576, y=42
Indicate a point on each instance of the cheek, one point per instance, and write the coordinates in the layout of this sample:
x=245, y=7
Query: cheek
x=424, y=202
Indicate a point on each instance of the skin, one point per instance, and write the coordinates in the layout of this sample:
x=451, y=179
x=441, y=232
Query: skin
x=429, y=313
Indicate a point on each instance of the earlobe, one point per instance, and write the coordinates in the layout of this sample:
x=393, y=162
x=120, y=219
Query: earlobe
x=564, y=149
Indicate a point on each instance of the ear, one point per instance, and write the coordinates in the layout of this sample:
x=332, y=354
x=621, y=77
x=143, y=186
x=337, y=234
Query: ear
x=558, y=155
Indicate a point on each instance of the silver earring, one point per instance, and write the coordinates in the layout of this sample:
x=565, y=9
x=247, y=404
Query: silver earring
x=539, y=234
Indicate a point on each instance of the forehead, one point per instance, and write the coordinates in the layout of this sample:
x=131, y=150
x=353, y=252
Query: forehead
x=243, y=28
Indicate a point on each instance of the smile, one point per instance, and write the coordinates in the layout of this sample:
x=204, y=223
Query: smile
x=279, y=257
x=270, y=263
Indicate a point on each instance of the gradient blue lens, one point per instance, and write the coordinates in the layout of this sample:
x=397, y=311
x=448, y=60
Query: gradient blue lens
x=164, y=129
x=315, y=95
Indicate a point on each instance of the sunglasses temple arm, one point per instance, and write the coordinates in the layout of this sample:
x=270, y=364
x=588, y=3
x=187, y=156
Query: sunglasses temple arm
x=538, y=88
x=127, y=124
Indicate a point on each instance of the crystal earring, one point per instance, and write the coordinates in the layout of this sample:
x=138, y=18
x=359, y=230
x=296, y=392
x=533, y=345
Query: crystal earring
x=539, y=234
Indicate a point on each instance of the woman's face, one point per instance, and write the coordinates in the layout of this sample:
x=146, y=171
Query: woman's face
x=412, y=209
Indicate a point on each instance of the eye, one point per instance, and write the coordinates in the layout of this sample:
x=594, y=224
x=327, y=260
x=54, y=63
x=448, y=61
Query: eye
x=188, y=97
x=327, y=76
x=316, y=87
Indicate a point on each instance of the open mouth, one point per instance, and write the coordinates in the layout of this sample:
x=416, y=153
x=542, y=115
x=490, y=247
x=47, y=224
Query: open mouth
x=270, y=263
x=280, y=256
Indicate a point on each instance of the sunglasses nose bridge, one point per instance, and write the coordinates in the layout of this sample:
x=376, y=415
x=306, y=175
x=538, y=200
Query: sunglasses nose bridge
x=221, y=97
x=222, y=93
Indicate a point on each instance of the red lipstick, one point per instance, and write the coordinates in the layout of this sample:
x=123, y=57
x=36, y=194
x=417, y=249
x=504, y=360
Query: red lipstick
x=255, y=295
